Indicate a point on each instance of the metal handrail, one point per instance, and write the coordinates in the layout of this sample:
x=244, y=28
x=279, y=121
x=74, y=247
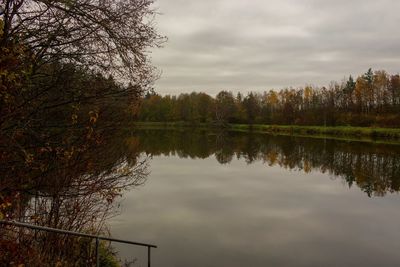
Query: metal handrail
x=96, y=237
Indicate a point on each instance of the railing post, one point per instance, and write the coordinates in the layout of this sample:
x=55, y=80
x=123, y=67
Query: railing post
x=148, y=256
x=97, y=253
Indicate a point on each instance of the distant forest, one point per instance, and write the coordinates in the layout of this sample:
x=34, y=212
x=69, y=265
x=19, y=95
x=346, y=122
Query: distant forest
x=372, y=99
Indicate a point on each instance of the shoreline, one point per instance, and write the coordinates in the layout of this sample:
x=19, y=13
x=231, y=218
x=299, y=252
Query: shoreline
x=370, y=134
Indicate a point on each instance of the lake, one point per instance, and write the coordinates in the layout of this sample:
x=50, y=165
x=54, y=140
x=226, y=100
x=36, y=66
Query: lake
x=248, y=199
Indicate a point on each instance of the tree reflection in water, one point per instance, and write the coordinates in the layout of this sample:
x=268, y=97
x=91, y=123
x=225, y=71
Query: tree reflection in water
x=78, y=193
x=373, y=167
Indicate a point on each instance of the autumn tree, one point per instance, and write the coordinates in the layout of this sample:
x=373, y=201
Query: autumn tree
x=110, y=35
x=62, y=65
x=252, y=106
x=380, y=85
x=69, y=72
x=204, y=106
x=63, y=43
x=225, y=107
x=348, y=92
x=394, y=90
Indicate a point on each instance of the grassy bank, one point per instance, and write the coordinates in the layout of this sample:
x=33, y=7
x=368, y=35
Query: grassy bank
x=336, y=131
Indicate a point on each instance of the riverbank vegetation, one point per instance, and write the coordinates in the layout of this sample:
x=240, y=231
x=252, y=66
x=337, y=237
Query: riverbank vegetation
x=370, y=100
x=370, y=133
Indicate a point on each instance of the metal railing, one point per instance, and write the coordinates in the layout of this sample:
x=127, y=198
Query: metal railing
x=95, y=237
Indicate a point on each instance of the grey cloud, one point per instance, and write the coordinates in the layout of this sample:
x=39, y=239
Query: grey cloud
x=258, y=45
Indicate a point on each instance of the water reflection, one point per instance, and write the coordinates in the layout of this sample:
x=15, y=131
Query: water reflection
x=374, y=168
x=76, y=192
x=246, y=199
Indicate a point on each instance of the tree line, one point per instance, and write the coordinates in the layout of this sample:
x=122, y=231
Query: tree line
x=372, y=99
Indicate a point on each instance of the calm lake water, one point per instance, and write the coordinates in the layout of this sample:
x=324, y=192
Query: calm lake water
x=242, y=199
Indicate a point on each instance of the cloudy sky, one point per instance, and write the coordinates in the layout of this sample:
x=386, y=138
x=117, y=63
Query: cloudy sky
x=254, y=45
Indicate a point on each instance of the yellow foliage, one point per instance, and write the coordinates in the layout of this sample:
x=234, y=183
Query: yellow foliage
x=272, y=157
x=93, y=115
x=1, y=27
x=307, y=166
x=74, y=118
x=308, y=92
x=29, y=158
x=272, y=98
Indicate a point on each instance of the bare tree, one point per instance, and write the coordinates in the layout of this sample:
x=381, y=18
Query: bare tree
x=110, y=35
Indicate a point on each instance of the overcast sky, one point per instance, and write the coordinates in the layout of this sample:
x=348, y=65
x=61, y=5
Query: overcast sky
x=256, y=45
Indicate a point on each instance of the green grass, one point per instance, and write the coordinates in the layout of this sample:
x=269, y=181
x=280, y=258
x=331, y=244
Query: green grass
x=173, y=125
x=343, y=131
x=346, y=132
